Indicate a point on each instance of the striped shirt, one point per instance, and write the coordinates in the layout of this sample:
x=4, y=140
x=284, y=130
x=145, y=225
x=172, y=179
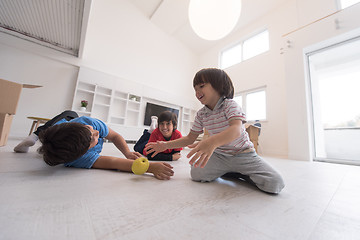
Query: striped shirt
x=217, y=120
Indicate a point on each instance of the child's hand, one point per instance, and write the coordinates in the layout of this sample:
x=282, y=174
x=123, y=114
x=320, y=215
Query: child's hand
x=203, y=151
x=161, y=170
x=133, y=155
x=176, y=156
x=155, y=147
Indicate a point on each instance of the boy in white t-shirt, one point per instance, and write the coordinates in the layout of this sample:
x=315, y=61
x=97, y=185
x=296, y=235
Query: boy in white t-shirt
x=228, y=150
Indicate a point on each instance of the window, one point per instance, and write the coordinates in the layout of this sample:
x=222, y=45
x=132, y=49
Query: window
x=253, y=103
x=245, y=49
x=256, y=45
x=347, y=3
x=231, y=56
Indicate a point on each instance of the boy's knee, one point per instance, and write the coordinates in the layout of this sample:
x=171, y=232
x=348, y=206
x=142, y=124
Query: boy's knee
x=199, y=175
x=273, y=184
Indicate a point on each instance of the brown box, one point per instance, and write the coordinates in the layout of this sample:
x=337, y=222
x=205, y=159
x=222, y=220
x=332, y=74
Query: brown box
x=5, y=124
x=9, y=99
x=9, y=96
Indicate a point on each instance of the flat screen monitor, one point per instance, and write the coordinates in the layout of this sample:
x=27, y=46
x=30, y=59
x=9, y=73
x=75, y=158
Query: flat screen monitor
x=155, y=110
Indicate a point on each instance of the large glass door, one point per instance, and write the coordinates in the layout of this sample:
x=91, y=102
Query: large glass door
x=335, y=93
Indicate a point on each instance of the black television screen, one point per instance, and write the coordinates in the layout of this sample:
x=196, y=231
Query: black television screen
x=155, y=110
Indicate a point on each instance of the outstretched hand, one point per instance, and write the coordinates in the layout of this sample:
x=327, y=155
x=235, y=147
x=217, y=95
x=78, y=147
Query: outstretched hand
x=155, y=148
x=161, y=170
x=200, y=153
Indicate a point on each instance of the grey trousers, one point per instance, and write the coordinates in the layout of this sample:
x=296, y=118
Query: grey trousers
x=250, y=164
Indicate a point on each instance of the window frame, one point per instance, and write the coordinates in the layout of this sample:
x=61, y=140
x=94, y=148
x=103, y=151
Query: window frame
x=241, y=43
x=340, y=7
x=243, y=95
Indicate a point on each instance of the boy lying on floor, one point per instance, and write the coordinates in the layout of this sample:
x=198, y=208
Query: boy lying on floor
x=78, y=141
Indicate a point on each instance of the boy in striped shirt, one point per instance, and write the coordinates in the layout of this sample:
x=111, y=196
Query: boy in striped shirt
x=228, y=150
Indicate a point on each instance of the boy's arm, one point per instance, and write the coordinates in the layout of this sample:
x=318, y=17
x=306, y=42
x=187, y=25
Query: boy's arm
x=204, y=149
x=160, y=146
x=161, y=157
x=120, y=143
x=160, y=170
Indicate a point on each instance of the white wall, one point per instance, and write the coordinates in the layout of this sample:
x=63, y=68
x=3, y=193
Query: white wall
x=286, y=131
x=267, y=70
x=123, y=42
x=57, y=78
x=120, y=41
x=323, y=33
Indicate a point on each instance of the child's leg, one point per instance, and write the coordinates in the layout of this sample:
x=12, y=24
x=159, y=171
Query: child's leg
x=140, y=144
x=30, y=140
x=260, y=172
x=153, y=124
x=213, y=169
x=68, y=115
x=25, y=144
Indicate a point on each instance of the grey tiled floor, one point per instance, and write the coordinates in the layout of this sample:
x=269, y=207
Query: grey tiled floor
x=320, y=201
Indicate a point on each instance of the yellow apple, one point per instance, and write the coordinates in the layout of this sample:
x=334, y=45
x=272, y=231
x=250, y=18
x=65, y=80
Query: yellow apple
x=140, y=166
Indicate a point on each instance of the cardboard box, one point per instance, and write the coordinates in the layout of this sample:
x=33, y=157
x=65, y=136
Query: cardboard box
x=9, y=99
x=5, y=124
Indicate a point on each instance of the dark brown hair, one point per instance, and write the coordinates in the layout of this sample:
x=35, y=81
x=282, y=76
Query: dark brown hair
x=168, y=116
x=64, y=143
x=218, y=79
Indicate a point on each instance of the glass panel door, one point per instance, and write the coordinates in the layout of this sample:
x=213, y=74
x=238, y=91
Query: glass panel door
x=335, y=92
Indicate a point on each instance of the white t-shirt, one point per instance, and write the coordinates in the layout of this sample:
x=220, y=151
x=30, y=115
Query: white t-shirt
x=217, y=120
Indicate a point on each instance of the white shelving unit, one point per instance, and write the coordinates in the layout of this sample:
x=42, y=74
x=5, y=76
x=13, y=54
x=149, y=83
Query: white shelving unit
x=188, y=117
x=108, y=105
x=121, y=103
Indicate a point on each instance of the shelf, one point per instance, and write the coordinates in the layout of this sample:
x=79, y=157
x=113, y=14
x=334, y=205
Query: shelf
x=103, y=91
x=86, y=86
x=102, y=104
x=102, y=99
x=120, y=95
x=133, y=101
x=84, y=112
x=186, y=111
x=120, y=98
x=133, y=110
x=81, y=113
x=132, y=118
x=133, y=105
x=103, y=94
x=117, y=120
x=86, y=91
x=134, y=98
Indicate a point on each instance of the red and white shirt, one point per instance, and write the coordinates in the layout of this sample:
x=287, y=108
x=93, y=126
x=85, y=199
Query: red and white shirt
x=217, y=120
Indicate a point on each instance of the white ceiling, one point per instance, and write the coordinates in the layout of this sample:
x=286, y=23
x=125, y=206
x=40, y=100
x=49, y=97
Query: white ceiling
x=60, y=24
x=171, y=17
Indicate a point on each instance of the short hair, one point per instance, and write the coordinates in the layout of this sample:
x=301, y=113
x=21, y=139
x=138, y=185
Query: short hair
x=64, y=143
x=218, y=79
x=168, y=116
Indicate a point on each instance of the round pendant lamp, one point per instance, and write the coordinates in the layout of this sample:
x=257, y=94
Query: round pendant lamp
x=214, y=19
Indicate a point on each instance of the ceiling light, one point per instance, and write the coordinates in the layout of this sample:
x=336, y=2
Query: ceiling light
x=214, y=19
